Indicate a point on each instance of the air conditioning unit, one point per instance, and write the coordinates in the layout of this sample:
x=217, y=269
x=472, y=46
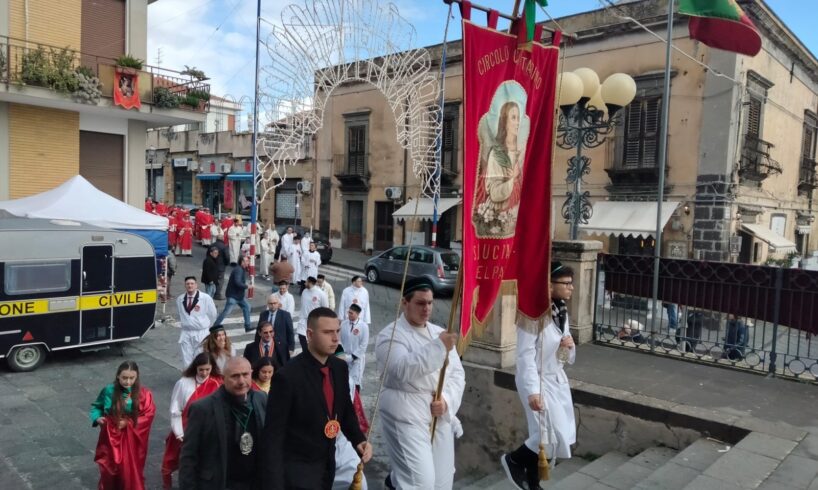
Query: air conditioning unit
x=225, y=168
x=304, y=187
x=193, y=166
x=394, y=193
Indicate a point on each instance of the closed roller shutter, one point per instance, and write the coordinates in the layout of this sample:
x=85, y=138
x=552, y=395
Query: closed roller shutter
x=101, y=161
x=103, y=30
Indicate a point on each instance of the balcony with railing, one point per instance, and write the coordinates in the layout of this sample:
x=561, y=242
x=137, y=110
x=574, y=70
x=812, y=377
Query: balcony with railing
x=807, y=180
x=756, y=163
x=351, y=172
x=44, y=75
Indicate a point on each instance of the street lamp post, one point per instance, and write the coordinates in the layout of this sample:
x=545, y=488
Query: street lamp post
x=589, y=112
x=152, y=184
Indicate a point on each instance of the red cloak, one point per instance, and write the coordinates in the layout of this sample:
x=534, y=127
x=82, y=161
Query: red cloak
x=170, y=461
x=121, y=454
x=186, y=235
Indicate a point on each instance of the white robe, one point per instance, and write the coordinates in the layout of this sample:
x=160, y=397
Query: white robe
x=355, y=339
x=182, y=391
x=539, y=371
x=286, y=241
x=195, y=326
x=287, y=302
x=346, y=458
x=234, y=236
x=311, y=299
x=327, y=288
x=266, y=256
x=358, y=296
x=273, y=238
x=416, y=356
x=310, y=262
x=293, y=255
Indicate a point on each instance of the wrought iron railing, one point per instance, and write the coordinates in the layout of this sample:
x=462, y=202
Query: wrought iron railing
x=25, y=63
x=755, y=163
x=748, y=317
x=806, y=175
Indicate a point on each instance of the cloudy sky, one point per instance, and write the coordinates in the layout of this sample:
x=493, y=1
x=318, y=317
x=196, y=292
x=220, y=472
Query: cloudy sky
x=217, y=36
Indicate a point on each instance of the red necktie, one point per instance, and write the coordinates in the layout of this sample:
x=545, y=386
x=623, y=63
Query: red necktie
x=329, y=396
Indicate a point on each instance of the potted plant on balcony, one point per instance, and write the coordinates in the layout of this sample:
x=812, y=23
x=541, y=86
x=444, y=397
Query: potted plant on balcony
x=194, y=73
x=163, y=98
x=129, y=64
x=89, y=88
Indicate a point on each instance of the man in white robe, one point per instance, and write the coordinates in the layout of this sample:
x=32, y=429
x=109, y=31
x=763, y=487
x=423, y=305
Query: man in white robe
x=327, y=288
x=197, y=312
x=310, y=262
x=346, y=458
x=285, y=298
x=292, y=254
x=234, y=236
x=355, y=339
x=286, y=240
x=311, y=298
x=543, y=348
x=416, y=354
x=272, y=235
x=356, y=294
x=266, y=256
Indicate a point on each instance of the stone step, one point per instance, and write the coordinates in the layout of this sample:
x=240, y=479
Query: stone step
x=685, y=466
x=592, y=472
x=636, y=469
x=499, y=481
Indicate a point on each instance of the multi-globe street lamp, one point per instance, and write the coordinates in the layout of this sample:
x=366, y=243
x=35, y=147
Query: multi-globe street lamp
x=589, y=111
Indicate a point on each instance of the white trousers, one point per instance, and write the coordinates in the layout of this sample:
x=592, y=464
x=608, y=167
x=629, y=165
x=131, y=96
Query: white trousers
x=190, y=343
x=416, y=463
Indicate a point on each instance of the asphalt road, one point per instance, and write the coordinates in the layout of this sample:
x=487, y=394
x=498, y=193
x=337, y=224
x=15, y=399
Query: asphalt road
x=46, y=439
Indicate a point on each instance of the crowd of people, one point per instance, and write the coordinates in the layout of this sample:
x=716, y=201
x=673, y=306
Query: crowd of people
x=274, y=417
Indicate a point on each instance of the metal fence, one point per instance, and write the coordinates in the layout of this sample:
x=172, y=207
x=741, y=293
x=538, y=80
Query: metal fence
x=755, y=318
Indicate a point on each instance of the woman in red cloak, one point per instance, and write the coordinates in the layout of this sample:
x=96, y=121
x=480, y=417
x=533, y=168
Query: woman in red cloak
x=124, y=412
x=200, y=379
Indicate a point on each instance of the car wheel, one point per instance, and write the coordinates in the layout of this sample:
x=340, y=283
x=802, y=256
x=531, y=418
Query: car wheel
x=372, y=275
x=26, y=358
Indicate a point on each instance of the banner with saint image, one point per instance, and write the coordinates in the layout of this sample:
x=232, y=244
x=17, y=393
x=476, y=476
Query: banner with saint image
x=509, y=92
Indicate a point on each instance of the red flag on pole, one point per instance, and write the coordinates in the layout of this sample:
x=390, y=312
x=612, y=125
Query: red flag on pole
x=509, y=97
x=721, y=24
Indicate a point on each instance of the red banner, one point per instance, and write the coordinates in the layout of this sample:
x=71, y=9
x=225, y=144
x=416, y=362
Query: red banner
x=509, y=93
x=126, y=89
x=228, y=195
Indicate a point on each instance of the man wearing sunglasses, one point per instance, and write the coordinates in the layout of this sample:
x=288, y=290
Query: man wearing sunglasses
x=543, y=348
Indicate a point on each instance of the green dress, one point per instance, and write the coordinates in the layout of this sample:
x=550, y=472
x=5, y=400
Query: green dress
x=105, y=401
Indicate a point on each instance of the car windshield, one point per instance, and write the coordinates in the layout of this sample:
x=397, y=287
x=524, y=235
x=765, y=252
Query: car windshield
x=451, y=261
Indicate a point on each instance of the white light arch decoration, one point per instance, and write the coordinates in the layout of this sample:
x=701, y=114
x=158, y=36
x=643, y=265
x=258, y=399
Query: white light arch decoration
x=325, y=43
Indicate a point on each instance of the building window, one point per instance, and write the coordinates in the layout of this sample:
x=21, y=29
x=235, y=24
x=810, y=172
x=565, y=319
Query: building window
x=287, y=210
x=642, y=126
x=756, y=161
x=451, y=113
x=356, y=150
x=806, y=175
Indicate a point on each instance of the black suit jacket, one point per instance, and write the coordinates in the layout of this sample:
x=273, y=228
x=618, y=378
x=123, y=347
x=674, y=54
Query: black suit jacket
x=203, y=459
x=284, y=333
x=296, y=452
x=253, y=354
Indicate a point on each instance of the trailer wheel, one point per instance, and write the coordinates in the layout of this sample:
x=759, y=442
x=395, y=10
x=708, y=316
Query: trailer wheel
x=26, y=357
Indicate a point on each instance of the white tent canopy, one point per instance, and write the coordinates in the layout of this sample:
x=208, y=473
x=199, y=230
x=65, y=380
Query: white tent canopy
x=627, y=218
x=78, y=200
x=425, y=208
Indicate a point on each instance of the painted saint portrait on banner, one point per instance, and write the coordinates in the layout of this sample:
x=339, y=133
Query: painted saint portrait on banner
x=503, y=136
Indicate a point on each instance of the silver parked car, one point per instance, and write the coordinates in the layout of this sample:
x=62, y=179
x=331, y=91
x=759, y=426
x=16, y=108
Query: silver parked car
x=439, y=265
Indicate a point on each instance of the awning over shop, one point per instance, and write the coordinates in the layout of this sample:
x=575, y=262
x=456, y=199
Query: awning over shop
x=773, y=239
x=636, y=219
x=209, y=176
x=425, y=208
x=239, y=176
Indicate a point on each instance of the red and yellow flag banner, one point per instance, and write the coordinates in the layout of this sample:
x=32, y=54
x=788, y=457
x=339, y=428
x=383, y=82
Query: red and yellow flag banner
x=509, y=93
x=126, y=89
x=721, y=24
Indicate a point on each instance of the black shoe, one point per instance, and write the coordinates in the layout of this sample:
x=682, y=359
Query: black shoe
x=515, y=472
x=388, y=482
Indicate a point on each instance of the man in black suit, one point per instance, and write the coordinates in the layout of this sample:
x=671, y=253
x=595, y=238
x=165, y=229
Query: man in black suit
x=264, y=345
x=223, y=435
x=283, y=333
x=312, y=405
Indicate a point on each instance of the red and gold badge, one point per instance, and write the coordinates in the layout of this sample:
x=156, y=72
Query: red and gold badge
x=332, y=429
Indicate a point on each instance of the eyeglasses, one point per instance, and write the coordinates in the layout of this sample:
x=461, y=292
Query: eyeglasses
x=570, y=283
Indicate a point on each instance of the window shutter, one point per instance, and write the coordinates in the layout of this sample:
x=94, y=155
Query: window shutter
x=633, y=122
x=754, y=117
x=650, y=136
x=357, y=150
